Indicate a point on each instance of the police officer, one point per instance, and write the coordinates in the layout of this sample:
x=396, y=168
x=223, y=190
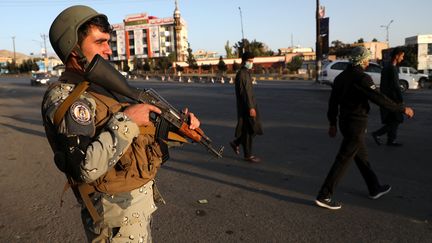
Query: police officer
x=349, y=102
x=101, y=142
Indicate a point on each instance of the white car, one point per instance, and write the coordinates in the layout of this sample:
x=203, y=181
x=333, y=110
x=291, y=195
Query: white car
x=406, y=80
x=409, y=78
x=332, y=69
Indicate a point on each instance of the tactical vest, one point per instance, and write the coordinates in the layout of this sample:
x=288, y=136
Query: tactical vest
x=140, y=162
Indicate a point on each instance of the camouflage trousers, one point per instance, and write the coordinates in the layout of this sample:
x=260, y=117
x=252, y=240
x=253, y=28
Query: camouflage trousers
x=126, y=217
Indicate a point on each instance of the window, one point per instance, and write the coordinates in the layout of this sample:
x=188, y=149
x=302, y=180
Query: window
x=372, y=68
x=429, y=49
x=339, y=65
x=413, y=70
x=131, y=34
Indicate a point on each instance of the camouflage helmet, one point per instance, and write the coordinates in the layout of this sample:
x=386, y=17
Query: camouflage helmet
x=63, y=33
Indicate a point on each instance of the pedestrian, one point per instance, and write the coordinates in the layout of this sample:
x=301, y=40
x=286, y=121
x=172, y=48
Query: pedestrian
x=101, y=142
x=390, y=87
x=248, y=119
x=349, y=102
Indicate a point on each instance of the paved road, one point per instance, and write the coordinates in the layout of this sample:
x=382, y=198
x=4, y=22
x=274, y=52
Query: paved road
x=267, y=202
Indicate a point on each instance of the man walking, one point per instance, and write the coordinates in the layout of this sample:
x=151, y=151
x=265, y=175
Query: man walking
x=248, y=122
x=349, y=102
x=390, y=87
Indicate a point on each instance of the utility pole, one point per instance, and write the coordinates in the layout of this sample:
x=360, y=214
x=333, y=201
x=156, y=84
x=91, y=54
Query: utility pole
x=387, y=31
x=318, y=43
x=13, y=43
x=44, y=37
x=241, y=22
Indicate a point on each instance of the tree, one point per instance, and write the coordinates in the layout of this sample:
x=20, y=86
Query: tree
x=205, y=67
x=126, y=67
x=163, y=63
x=295, y=64
x=28, y=66
x=374, y=40
x=241, y=47
x=339, y=49
x=222, y=67
x=228, y=50
x=146, y=66
x=235, y=66
x=338, y=44
x=179, y=68
x=12, y=67
x=191, y=59
x=257, y=48
x=360, y=40
x=410, y=58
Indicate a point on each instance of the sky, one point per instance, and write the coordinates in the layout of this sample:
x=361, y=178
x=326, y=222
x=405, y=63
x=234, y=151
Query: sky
x=211, y=23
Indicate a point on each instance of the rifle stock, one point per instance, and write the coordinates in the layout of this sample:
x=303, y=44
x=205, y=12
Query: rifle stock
x=102, y=73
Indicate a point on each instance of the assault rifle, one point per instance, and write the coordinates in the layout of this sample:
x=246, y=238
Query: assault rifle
x=102, y=73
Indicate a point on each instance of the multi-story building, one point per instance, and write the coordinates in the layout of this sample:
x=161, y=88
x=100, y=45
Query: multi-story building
x=423, y=45
x=142, y=36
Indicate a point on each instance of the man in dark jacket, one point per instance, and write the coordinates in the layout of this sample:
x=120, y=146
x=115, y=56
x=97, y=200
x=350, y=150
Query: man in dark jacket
x=390, y=87
x=248, y=122
x=349, y=102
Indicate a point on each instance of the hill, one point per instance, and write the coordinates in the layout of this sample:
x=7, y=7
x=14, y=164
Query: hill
x=9, y=54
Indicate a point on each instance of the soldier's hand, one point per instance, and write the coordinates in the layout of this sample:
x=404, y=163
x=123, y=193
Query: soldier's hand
x=140, y=113
x=193, y=120
x=332, y=131
x=409, y=112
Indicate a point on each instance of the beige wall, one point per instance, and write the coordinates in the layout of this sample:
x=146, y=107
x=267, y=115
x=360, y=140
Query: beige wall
x=375, y=48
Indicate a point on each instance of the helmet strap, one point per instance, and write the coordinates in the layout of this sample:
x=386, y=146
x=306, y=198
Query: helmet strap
x=82, y=60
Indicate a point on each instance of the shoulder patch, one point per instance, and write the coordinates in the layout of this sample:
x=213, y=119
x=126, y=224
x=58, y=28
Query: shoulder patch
x=81, y=113
x=79, y=119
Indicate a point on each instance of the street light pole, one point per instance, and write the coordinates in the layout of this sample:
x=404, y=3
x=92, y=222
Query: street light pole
x=241, y=22
x=387, y=31
x=318, y=56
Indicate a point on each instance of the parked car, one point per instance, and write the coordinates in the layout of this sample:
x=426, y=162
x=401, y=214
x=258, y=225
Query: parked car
x=40, y=79
x=408, y=77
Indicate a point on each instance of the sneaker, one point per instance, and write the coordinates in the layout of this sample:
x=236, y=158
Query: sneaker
x=253, y=159
x=377, y=139
x=394, y=144
x=235, y=147
x=381, y=192
x=327, y=203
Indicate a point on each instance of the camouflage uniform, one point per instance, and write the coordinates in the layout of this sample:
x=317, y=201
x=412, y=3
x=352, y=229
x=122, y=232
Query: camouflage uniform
x=97, y=144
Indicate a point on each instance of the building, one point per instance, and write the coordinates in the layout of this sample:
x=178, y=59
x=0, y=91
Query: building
x=203, y=55
x=423, y=44
x=290, y=50
x=142, y=36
